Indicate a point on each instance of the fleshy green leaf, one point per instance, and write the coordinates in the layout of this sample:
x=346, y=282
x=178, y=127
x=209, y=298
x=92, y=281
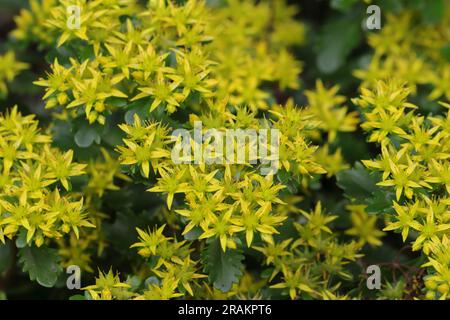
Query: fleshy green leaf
x=5, y=256
x=446, y=51
x=42, y=264
x=335, y=45
x=85, y=136
x=193, y=234
x=433, y=11
x=342, y=4
x=380, y=202
x=21, y=240
x=357, y=183
x=223, y=268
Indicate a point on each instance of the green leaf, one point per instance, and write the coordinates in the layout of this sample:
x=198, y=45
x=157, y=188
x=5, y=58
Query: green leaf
x=380, y=202
x=42, y=264
x=117, y=102
x=193, y=234
x=433, y=11
x=122, y=232
x=85, y=136
x=266, y=273
x=357, y=183
x=283, y=176
x=21, y=240
x=342, y=4
x=5, y=256
x=335, y=45
x=446, y=52
x=223, y=268
x=13, y=4
x=139, y=107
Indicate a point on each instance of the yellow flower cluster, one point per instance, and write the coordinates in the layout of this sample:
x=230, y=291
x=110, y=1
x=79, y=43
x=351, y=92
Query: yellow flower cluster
x=308, y=263
x=79, y=251
x=364, y=226
x=108, y=286
x=32, y=175
x=413, y=166
x=306, y=266
x=169, y=56
x=244, y=61
x=31, y=22
x=412, y=52
x=101, y=173
x=9, y=69
x=171, y=263
x=325, y=105
x=195, y=61
x=222, y=200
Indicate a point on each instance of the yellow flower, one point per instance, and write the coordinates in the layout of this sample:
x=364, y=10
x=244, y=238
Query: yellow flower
x=440, y=174
x=170, y=183
x=30, y=201
x=223, y=227
x=57, y=80
x=325, y=105
x=403, y=179
x=184, y=273
x=165, y=291
x=107, y=287
x=331, y=162
x=429, y=230
x=9, y=69
x=145, y=145
x=60, y=166
x=405, y=219
x=296, y=282
x=149, y=241
x=317, y=220
x=162, y=91
x=102, y=173
x=364, y=226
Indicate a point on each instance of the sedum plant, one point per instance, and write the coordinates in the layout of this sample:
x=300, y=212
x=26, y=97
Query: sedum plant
x=134, y=176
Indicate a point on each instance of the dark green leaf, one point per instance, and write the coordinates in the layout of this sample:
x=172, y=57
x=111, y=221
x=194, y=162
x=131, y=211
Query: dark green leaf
x=21, y=240
x=42, y=264
x=85, y=136
x=193, y=234
x=357, y=183
x=117, y=102
x=223, y=268
x=446, y=52
x=342, y=4
x=335, y=45
x=5, y=256
x=380, y=202
x=433, y=11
